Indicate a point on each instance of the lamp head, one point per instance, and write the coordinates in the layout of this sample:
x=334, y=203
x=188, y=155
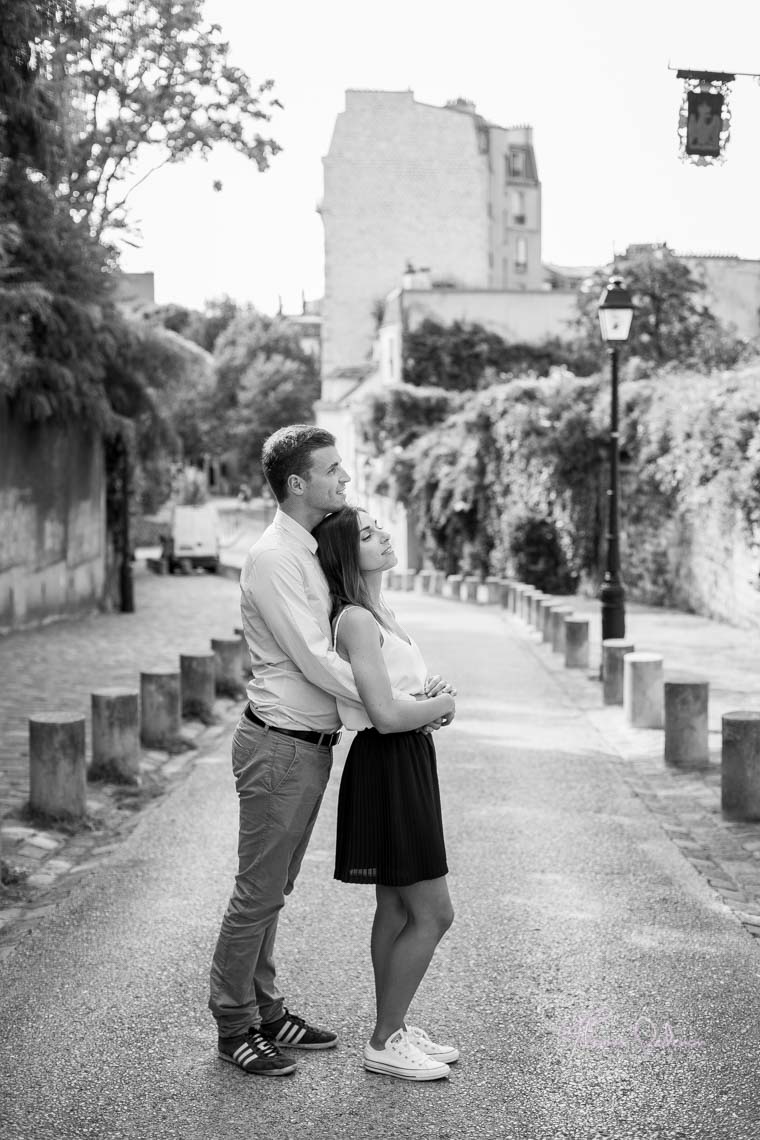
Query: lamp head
x=615, y=312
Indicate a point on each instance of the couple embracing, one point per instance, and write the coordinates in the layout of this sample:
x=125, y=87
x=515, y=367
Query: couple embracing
x=325, y=649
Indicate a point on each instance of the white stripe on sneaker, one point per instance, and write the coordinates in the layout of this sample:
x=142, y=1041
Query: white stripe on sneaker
x=243, y=1053
x=291, y=1034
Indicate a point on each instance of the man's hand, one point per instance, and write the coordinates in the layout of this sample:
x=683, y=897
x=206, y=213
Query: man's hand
x=435, y=685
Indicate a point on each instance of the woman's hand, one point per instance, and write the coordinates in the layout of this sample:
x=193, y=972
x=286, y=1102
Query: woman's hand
x=435, y=685
x=441, y=721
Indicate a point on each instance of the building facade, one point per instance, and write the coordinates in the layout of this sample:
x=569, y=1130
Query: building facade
x=410, y=185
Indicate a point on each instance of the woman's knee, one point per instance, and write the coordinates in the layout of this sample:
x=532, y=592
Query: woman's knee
x=437, y=918
x=444, y=918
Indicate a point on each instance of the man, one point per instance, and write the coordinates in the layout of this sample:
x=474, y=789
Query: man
x=282, y=747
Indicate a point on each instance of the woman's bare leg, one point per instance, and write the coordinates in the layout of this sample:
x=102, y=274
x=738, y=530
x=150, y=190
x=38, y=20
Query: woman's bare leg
x=407, y=957
x=390, y=920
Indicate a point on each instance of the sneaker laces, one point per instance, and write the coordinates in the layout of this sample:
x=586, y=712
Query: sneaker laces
x=261, y=1045
x=407, y=1048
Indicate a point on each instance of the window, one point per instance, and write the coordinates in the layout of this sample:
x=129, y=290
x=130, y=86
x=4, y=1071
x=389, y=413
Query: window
x=516, y=163
x=518, y=207
x=521, y=255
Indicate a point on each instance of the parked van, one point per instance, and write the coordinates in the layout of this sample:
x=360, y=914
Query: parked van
x=194, y=539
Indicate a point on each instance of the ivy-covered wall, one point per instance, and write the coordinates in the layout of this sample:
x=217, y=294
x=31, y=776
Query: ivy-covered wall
x=690, y=493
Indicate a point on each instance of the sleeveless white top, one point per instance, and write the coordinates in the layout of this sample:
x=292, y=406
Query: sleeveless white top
x=406, y=669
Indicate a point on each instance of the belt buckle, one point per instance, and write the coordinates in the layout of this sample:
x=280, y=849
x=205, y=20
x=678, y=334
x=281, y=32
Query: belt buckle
x=328, y=739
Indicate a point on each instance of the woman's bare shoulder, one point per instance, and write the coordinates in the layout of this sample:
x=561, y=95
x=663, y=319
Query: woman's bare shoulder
x=356, y=622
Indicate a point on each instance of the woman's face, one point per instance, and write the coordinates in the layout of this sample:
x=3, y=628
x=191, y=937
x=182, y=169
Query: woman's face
x=375, y=550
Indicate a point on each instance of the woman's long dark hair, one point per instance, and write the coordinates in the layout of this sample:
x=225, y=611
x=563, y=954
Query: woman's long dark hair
x=339, y=536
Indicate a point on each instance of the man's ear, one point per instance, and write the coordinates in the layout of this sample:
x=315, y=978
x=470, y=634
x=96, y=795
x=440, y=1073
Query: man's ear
x=295, y=485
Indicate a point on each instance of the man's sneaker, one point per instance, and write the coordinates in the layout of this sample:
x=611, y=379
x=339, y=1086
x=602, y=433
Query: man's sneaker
x=446, y=1053
x=292, y=1032
x=400, y=1058
x=253, y=1054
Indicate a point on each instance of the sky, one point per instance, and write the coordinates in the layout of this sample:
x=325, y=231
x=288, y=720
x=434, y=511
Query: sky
x=591, y=77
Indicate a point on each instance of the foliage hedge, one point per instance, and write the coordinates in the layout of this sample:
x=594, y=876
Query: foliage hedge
x=538, y=450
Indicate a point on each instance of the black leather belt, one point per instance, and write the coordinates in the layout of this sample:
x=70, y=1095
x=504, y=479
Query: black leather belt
x=321, y=739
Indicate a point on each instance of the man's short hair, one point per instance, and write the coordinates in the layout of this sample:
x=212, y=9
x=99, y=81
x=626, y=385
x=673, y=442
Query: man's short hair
x=288, y=451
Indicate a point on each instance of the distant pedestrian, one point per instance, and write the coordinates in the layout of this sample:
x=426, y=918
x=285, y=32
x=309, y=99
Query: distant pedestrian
x=390, y=832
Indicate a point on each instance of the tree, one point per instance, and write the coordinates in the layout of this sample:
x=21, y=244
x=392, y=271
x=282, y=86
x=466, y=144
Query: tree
x=264, y=379
x=52, y=273
x=151, y=76
x=672, y=321
x=274, y=391
x=247, y=337
x=465, y=355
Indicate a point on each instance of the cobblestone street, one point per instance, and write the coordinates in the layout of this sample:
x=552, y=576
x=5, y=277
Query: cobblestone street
x=58, y=666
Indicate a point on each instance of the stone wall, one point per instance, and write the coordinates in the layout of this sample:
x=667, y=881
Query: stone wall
x=52, y=521
x=705, y=564
x=520, y=318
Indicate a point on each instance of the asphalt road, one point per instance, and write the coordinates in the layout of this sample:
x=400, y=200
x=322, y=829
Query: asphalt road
x=594, y=983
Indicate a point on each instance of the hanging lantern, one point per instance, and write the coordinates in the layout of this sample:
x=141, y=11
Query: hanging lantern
x=704, y=125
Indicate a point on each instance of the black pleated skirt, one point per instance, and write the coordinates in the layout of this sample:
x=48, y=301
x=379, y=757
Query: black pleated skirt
x=389, y=811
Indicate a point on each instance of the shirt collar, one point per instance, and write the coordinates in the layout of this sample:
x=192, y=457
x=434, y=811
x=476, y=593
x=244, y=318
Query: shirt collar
x=295, y=530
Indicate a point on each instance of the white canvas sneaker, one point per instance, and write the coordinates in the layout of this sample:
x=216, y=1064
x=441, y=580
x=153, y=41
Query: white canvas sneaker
x=400, y=1058
x=446, y=1053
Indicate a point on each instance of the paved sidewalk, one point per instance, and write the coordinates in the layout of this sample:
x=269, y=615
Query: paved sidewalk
x=686, y=802
x=56, y=668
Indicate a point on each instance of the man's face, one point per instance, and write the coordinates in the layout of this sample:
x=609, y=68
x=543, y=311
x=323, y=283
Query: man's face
x=324, y=486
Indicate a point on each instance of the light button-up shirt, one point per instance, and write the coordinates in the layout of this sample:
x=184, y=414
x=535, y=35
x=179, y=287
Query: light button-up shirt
x=285, y=606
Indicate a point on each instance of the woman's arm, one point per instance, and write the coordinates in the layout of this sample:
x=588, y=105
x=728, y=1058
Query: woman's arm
x=358, y=637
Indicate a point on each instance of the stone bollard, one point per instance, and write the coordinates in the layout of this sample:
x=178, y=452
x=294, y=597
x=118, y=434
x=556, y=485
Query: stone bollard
x=198, y=685
x=468, y=589
x=406, y=579
x=614, y=650
x=452, y=587
x=536, y=613
x=544, y=617
x=57, y=767
x=437, y=581
x=525, y=596
x=504, y=584
x=643, y=689
x=493, y=591
x=527, y=604
x=686, y=731
x=517, y=593
x=115, y=736
x=159, y=709
x=391, y=580
x=559, y=613
x=228, y=666
x=740, y=765
x=576, y=642
x=422, y=581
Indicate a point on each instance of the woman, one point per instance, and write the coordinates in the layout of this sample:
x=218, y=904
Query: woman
x=389, y=813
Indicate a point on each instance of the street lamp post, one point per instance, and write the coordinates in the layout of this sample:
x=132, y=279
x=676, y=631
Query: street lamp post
x=615, y=316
